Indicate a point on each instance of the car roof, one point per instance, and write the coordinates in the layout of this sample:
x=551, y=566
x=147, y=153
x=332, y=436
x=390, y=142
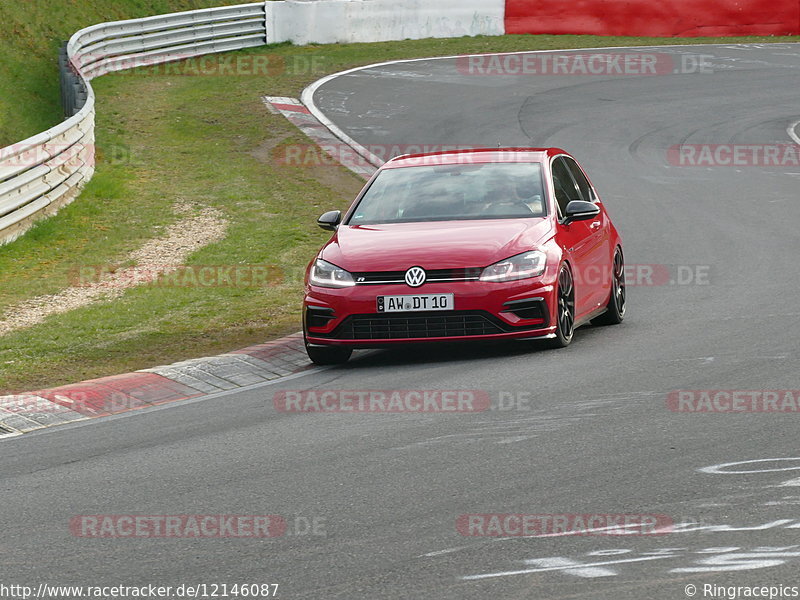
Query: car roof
x=473, y=156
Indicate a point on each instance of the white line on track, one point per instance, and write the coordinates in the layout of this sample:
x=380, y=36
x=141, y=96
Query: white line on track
x=560, y=568
x=792, y=131
x=308, y=94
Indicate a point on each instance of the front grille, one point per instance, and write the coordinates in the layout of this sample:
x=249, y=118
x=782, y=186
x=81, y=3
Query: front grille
x=420, y=325
x=396, y=327
x=397, y=277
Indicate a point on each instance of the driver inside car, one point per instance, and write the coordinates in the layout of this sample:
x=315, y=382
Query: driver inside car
x=529, y=192
x=503, y=200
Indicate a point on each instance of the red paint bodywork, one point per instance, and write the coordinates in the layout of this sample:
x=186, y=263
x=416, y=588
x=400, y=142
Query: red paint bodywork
x=434, y=245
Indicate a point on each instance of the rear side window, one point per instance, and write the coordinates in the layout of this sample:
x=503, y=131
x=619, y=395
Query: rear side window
x=580, y=179
x=564, y=186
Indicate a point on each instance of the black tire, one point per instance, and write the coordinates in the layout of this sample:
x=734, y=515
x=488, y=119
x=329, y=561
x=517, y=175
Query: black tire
x=328, y=355
x=565, y=310
x=615, y=309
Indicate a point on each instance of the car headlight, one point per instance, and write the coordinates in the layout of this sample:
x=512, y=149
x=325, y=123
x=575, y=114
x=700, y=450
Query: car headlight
x=521, y=266
x=325, y=274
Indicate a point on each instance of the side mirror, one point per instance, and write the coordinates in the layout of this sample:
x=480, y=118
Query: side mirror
x=578, y=210
x=330, y=220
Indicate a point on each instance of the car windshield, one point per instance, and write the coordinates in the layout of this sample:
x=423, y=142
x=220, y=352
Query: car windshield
x=453, y=193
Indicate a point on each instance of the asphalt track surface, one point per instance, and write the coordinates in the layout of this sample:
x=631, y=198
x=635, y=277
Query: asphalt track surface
x=596, y=435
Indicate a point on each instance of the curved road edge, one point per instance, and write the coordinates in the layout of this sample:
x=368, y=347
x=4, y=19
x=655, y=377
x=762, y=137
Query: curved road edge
x=307, y=97
x=186, y=380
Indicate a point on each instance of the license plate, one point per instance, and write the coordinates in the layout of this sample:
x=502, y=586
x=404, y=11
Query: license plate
x=415, y=303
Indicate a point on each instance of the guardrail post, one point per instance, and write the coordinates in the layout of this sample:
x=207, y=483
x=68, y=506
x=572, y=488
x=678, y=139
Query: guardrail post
x=66, y=79
x=266, y=22
x=73, y=89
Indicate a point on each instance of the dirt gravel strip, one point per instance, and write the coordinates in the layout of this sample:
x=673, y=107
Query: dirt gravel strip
x=198, y=227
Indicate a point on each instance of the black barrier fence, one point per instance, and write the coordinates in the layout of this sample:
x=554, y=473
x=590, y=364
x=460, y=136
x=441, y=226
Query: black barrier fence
x=73, y=89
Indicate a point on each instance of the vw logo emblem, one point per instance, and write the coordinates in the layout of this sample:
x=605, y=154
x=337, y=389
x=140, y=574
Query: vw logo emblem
x=415, y=276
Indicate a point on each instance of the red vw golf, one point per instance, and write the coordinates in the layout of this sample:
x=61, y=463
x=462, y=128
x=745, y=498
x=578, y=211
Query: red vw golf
x=465, y=245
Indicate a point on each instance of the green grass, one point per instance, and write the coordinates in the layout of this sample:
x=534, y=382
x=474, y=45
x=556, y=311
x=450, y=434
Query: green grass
x=206, y=140
x=31, y=32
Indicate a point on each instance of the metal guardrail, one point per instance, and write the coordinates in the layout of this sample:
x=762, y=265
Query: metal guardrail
x=73, y=88
x=41, y=174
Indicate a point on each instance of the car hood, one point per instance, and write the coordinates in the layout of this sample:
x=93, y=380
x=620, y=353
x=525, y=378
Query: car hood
x=433, y=245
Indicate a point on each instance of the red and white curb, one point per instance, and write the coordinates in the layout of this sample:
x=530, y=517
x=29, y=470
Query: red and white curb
x=117, y=394
x=321, y=134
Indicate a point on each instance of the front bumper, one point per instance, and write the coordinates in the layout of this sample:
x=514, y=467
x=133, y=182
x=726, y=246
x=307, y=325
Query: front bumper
x=483, y=311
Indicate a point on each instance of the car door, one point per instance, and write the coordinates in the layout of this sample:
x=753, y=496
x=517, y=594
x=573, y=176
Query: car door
x=582, y=241
x=598, y=275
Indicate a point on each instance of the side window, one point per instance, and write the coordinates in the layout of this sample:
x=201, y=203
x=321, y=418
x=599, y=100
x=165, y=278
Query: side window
x=564, y=185
x=580, y=179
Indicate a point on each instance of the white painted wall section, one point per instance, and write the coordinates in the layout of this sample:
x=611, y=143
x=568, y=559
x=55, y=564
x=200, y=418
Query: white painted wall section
x=331, y=21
